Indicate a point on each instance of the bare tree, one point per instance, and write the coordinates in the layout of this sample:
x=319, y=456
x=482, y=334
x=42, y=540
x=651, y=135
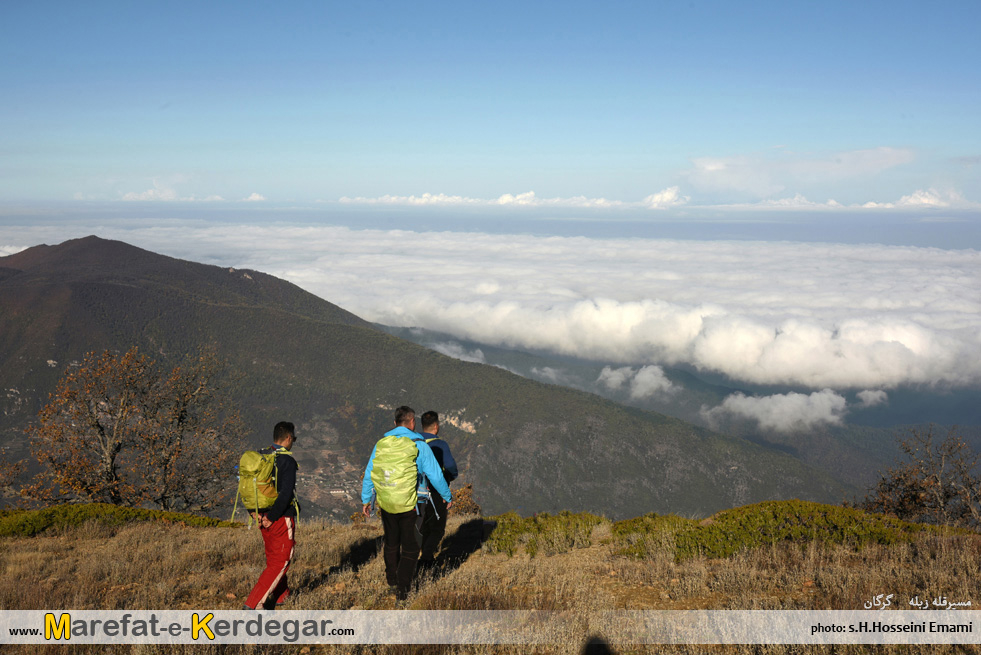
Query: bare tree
x=938, y=483
x=117, y=430
x=10, y=471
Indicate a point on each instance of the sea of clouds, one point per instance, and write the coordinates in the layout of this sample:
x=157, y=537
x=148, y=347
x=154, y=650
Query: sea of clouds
x=825, y=317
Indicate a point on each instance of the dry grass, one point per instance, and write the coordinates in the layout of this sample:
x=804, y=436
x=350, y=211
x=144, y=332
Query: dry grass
x=165, y=566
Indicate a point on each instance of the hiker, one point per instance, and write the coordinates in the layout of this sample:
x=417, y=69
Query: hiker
x=434, y=517
x=277, y=524
x=392, y=479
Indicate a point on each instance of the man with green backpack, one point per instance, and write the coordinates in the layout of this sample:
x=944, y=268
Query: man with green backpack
x=267, y=483
x=399, y=462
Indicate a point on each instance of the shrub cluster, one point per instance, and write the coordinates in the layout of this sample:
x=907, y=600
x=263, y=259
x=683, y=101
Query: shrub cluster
x=762, y=524
x=27, y=523
x=543, y=533
x=638, y=537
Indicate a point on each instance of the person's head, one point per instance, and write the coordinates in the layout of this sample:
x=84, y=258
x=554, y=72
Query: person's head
x=430, y=422
x=284, y=434
x=406, y=417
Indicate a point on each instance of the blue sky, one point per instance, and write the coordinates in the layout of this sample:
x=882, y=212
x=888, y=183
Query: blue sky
x=673, y=106
x=784, y=193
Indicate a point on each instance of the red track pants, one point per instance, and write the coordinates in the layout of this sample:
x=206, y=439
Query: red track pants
x=280, y=541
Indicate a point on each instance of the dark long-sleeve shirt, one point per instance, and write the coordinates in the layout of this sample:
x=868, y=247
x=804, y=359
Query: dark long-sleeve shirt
x=285, y=485
x=441, y=450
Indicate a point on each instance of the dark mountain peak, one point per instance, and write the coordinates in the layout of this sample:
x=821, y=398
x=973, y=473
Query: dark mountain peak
x=108, y=264
x=90, y=251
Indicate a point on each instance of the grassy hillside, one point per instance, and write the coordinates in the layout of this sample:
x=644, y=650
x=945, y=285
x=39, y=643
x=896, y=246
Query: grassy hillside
x=809, y=557
x=525, y=445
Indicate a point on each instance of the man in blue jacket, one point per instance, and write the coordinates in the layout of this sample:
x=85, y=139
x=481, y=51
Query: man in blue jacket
x=402, y=455
x=434, y=517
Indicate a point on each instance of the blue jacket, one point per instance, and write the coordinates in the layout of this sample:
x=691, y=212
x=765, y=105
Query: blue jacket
x=426, y=464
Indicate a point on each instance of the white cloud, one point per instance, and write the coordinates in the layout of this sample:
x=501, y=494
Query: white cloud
x=255, y=197
x=664, y=199
x=849, y=164
x=650, y=381
x=661, y=200
x=11, y=250
x=457, y=351
x=643, y=383
x=918, y=200
x=553, y=375
x=783, y=412
x=923, y=199
x=426, y=199
x=162, y=191
x=869, y=398
x=612, y=378
x=159, y=192
x=813, y=315
x=528, y=198
x=739, y=174
x=799, y=202
x=671, y=198
x=767, y=174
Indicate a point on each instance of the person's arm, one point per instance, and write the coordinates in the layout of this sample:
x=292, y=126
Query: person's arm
x=450, y=471
x=428, y=466
x=367, y=486
x=285, y=486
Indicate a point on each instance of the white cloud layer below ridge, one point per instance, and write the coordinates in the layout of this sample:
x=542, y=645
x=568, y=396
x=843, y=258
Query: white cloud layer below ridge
x=456, y=351
x=863, y=317
x=648, y=381
x=783, y=412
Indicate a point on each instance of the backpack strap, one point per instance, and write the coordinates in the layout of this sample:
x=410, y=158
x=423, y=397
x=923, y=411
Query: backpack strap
x=423, y=480
x=238, y=492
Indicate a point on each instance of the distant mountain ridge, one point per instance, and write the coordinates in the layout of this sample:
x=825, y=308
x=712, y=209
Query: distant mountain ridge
x=524, y=445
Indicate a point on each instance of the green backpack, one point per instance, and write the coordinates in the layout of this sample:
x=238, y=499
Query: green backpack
x=394, y=474
x=257, y=483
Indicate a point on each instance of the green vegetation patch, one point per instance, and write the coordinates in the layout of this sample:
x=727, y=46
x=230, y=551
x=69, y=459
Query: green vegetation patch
x=27, y=523
x=544, y=534
x=642, y=536
x=762, y=524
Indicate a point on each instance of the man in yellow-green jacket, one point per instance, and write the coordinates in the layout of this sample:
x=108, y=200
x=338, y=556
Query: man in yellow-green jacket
x=392, y=479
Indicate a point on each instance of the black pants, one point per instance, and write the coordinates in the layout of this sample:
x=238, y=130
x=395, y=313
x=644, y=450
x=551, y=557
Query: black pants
x=433, y=527
x=401, y=549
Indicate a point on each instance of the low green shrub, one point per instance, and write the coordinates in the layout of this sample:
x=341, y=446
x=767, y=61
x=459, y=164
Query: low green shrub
x=763, y=524
x=545, y=533
x=639, y=537
x=27, y=523
x=795, y=521
x=506, y=535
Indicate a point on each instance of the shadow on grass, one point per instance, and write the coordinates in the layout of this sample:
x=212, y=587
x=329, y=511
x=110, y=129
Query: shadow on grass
x=459, y=546
x=359, y=554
